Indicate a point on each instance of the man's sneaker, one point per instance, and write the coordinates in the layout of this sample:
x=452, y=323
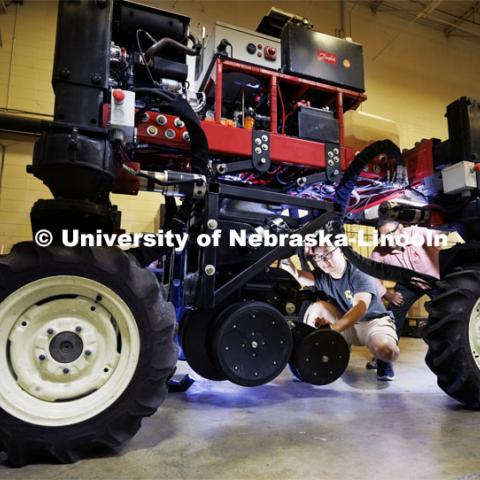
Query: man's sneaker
x=372, y=364
x=385, y=371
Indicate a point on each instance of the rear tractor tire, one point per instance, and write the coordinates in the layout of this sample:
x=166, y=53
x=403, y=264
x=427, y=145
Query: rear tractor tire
x=86, y=348
x=453, y=336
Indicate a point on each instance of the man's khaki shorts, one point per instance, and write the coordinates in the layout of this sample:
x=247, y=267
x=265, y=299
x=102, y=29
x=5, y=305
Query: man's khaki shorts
x=361, y=332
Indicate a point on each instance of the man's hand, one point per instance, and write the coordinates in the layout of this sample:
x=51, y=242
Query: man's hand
x=287, y=265
x=314, y=316
x=320, y=321
x=396, y=298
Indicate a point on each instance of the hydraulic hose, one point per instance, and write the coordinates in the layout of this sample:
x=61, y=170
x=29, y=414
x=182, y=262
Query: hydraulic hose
x=340, y=200
x=168, y=42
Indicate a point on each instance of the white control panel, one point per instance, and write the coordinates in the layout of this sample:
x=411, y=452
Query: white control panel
x=245, y=45
x=459, y=177
x=122, y=113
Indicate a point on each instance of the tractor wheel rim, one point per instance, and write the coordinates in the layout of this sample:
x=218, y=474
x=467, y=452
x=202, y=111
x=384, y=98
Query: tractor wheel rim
x=474, y=332
x=69, y=348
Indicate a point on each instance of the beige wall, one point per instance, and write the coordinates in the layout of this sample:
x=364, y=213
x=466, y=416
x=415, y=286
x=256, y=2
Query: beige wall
x=411, y=82
x=26, y=59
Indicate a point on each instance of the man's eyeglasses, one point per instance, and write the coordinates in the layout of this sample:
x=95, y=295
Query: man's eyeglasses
x=325, y=256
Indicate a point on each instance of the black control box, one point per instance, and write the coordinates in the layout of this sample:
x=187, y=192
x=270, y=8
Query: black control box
x=314, y=124
x=314, y=55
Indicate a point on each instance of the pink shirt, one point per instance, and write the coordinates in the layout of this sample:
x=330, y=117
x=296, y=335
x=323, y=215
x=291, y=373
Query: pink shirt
x=423, y=259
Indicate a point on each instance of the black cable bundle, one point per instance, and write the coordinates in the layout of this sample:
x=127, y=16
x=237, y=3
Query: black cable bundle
x=340, y=200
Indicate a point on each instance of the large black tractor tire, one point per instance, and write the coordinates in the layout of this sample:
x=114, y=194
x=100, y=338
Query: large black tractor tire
x=453, y=336
x=86, y=348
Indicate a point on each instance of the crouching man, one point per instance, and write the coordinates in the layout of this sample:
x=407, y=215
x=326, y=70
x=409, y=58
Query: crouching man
x=354, y=308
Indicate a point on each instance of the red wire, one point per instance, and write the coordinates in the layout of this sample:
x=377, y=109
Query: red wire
x=283, y=108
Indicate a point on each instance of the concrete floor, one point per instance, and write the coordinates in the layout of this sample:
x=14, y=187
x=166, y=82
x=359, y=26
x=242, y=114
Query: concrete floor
x=354, y=428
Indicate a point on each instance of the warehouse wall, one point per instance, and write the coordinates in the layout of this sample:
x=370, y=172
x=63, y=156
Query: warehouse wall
x=411, y=82
x=26, y=59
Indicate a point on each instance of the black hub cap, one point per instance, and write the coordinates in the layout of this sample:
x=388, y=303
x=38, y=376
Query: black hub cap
x=66, y=347
x=321, y=357
x=252, y=343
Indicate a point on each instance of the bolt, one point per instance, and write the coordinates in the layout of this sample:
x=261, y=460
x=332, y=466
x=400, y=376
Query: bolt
x=336, y=159
x=301, y=181
x=88, y=353
x=145, y=117
x=330, y=154
x=258, y=141
x=264, y=138
x=161, y=119
x=235, y=367
x=78, y=329
x=263, y=160
x=96, y=78
x=336, y=172
x=256, y=374
x=275, y=363
x=42, y=357
x=66, y=371
x=258, y=150
x=254, y=355
x=178, y=123
x=64, y=73
x=254, y=345
x=222, y=168
x=212, y=224
x=324, y=359
x=265, y=146
x=330, y=162
x=152, y=131
x=336, y=151
x=186, y=136
x=50, y=331
x=170, y=134
x=210, y=270
x=227, y=348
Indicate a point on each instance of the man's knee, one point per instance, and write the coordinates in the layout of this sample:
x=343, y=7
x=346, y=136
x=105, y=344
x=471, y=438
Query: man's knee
x=384, y=348
x=389, y=352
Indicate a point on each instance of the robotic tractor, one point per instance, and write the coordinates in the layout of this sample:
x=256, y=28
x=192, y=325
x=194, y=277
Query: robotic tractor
x=256, y=142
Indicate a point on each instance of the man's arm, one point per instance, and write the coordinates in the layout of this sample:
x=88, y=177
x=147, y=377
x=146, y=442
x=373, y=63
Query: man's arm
x=305, y=279
x=361, y=302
